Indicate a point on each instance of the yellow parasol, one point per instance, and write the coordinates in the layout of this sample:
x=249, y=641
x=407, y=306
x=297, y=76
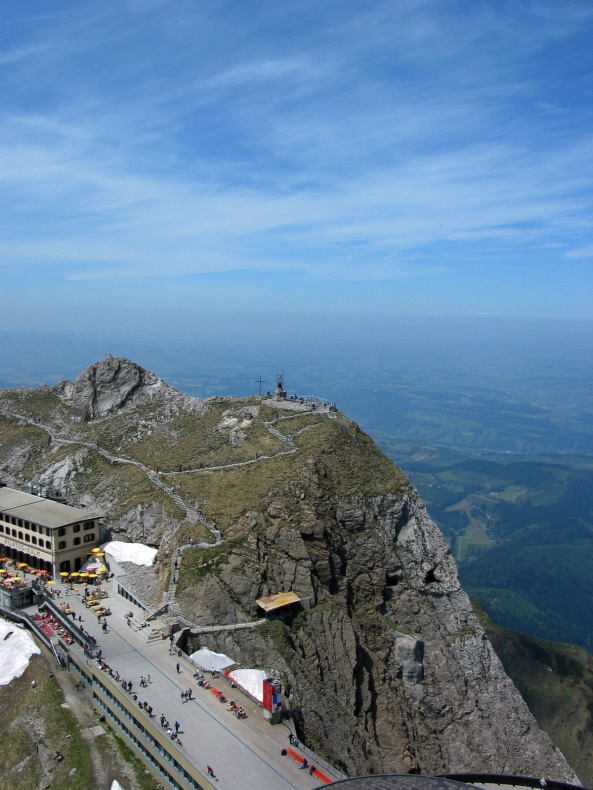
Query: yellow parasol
x=92, y=575
x=100, y=554
x=84, y=574
x=101, y=570
x=2, y=570
x=63, y=574
x=51, y=581
x=96, y=550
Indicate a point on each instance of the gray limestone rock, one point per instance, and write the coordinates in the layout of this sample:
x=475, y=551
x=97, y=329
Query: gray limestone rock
x=390, y=669
x=107, y=386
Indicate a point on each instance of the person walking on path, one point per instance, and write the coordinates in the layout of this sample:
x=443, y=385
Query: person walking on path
x=178, y=668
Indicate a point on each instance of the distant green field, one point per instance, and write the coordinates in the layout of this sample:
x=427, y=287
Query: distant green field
x=521, y=530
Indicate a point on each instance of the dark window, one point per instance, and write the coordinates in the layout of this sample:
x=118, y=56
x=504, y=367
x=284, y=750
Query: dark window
x=62, y=544
x=88, y=538
x=62, y=531
x=20, y=535
x=14, y=533
x=33, y=527
x=48, y=544
x=89, y=525
x=76, y=528
x=34, y=541
x=1, y=528
x=20, y=522
x=27, y=538
x=48, y=531
x=76, y=541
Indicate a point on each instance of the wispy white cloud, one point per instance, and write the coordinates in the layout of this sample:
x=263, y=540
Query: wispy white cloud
x=385, y=140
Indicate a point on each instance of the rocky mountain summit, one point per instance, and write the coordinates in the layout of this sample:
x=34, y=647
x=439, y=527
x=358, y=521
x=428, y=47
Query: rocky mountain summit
x=386, y=666
x=107, y=386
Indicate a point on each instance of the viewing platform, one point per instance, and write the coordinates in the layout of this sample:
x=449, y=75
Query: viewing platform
x=244, y=753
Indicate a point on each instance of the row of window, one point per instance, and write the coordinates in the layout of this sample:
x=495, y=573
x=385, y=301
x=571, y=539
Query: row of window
x=33, y=540
x=33, y=528
x=76, y=542
x=76, y=528
x=140, y=744
x=19, y=522
x=27, y=538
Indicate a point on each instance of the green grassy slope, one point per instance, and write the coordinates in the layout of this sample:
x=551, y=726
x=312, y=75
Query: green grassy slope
x=556, y=682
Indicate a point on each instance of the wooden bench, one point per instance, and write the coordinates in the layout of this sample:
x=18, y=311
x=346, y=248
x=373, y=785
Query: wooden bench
x=316, y=772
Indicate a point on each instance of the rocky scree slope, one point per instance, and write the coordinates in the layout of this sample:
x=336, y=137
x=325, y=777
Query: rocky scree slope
x=387, y=667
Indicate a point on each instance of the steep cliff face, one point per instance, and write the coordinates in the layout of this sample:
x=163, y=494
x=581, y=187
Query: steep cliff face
x=387, y=665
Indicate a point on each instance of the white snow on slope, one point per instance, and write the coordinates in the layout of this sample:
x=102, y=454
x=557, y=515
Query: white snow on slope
x=137, y=553
x=252, y=680
x=115, y=785
x=207, y=659
x=15, y=651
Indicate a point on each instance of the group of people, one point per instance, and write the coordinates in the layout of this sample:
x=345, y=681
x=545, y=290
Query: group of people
x=186, y=696
x=172, y=733
x=237, y=710
x=293, y=740
x=145, y=706
x=305, y=765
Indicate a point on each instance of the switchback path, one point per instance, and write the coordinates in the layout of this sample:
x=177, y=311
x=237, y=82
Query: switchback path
x=192, y=515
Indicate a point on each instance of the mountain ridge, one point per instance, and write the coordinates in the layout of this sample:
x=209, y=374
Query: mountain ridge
x=387, y=666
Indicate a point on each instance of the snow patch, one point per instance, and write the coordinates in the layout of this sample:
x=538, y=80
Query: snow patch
x=15, y=651
x=137, y=553
x=115, y=785
x=208, y=659
x=252, y=680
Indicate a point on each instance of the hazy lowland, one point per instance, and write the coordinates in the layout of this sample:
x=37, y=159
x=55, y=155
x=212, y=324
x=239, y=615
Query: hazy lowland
x=492, y=420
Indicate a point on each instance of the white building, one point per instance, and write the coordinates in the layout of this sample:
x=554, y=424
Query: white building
x=45, y=534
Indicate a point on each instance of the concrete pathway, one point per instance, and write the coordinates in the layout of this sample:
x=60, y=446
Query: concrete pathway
x=243, y=753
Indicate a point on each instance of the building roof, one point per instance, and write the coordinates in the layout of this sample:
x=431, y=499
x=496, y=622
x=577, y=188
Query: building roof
x=41, y=511
x=277, y=601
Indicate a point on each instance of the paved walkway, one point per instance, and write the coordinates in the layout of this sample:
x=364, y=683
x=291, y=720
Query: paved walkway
x=243, y=753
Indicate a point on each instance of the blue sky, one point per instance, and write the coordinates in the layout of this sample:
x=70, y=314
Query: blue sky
x=159, y=159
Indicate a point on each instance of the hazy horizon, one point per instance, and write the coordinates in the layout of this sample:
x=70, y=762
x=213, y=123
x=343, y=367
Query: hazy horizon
x=482, y=384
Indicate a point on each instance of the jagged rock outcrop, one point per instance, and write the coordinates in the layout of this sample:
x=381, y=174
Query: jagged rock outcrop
x=389, y=670
x=386, y=665
x=106, y=386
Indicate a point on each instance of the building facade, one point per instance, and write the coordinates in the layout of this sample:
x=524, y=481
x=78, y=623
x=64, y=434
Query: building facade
x=47, y=535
